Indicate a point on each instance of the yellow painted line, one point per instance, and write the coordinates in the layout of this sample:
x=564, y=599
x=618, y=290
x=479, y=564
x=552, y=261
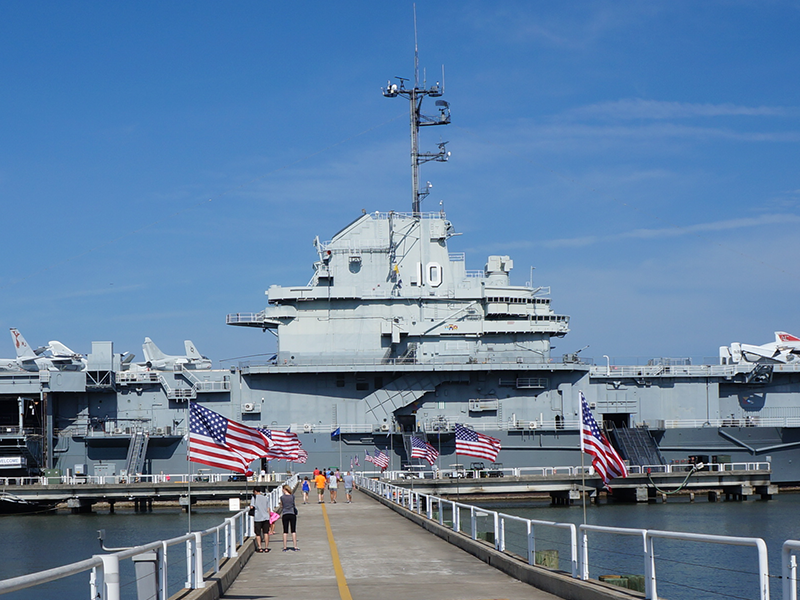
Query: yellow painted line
x=344, y=591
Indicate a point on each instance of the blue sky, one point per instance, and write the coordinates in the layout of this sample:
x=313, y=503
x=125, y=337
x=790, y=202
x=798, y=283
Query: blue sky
x=163, y=164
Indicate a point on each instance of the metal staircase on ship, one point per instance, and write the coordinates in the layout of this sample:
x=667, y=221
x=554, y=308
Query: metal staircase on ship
x=137, y=452
x=636, y=444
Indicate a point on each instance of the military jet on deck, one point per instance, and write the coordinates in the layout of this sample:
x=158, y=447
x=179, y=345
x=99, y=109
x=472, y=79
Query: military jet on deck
x=53, y=357
x=159, y=361
x=785, y=349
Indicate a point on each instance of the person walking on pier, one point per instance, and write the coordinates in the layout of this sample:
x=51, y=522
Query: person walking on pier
x=288, y=512
x=320, y=481
x=333, y=486
x=348, y=486
x=260, y=511
x=306, y=490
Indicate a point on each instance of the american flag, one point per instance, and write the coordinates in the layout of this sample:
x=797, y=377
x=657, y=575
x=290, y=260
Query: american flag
x=476, y=444
x=605, y=459
x=302, y=457
x=422, y=449
x=285, y=444
x=380, y=460
x=217, y=441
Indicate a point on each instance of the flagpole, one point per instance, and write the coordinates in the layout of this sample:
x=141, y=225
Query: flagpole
x=583, y=471
x=340, y=448
x=188, y=450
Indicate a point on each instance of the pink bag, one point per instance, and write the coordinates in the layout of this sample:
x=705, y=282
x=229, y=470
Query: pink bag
x=273, y=516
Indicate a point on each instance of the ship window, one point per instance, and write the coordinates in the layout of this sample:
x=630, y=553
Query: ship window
x=378, y=383
x=361, y=383
x=340, y=380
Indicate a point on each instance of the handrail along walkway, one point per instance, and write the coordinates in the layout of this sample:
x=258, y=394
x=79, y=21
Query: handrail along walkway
x=414, y=501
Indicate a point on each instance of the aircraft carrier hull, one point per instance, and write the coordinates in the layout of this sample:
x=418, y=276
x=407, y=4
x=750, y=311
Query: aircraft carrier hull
x=67, y=422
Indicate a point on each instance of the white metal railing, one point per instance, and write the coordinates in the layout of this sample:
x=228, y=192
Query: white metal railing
x=789, y=568
x=439, y=509
x=566, y=470
x=439, y=473
x=158, y=478
x=104, y=579
x=673, y=370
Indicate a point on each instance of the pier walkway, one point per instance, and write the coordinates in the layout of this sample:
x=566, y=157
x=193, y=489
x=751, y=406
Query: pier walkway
x=365, y=550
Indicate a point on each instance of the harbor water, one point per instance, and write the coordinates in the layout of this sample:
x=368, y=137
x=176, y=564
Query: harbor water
x=34, y=543
x=684, y=569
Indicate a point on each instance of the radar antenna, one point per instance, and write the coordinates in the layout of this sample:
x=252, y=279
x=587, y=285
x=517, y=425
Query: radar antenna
x=415, y=96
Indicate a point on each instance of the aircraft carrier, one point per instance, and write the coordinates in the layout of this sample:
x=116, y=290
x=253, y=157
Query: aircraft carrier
x=394, y=336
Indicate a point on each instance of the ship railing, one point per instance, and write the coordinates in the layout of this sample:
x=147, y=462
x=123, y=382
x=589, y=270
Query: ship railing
x=456, y=360
x=520, y=538
x=570, y=471
x=685, y=467
x=137, y=377
x=635, y=371
x=754, y=421
x=234, y=318
x=436, y=426
x=157, y=478
x=151, y=563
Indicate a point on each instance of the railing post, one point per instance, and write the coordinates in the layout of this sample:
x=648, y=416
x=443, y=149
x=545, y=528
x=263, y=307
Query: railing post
x=499, y=532
x=110, y=576
x=162, y=574
x=473, y=523
x=650, y=589
x=198, y=561
x=243, y=526
x=763, y=569
x=93, y=583
x=189, y=563
x=584, y=562
x=216, y=550
x=531, y=544
x=789, y=573
x=456, y=517
x=573, y=549
x=231, y=537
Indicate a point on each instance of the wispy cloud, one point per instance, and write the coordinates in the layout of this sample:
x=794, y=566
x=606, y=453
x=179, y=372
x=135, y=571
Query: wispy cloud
x=639, y=108
x=105, y=291
x=675, y=231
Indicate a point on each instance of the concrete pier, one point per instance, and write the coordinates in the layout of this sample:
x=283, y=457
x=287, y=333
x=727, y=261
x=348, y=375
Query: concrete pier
x=366, y=550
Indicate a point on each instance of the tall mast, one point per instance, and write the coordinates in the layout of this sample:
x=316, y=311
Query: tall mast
x=415, y=96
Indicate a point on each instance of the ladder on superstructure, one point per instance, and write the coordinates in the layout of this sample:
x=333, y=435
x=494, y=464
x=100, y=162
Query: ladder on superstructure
x=137, y=451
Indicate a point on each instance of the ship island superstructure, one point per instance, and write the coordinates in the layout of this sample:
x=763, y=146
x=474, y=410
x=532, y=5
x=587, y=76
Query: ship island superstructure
x=392, y=337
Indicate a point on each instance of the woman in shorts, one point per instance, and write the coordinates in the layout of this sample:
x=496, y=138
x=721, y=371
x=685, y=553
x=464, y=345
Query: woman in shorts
x=288, y=512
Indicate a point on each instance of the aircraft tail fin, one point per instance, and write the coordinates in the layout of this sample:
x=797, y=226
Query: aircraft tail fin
x=59, y=349
x=21, y=346
x=191, y=351
x=782, y=336
x=151, y=351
